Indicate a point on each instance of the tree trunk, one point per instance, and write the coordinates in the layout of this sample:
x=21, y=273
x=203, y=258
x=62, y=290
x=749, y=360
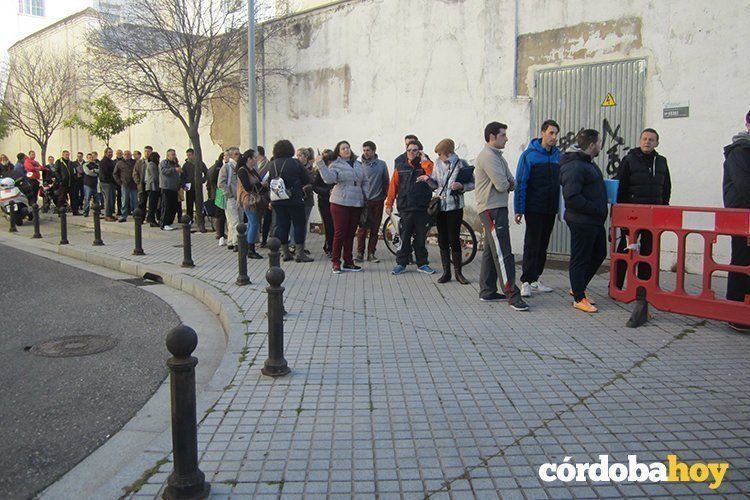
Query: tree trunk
x=43, y=146
x=195, y=140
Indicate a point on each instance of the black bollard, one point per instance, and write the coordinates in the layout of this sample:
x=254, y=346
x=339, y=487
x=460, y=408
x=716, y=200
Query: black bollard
x=63, y=225
x=187, y=251
x=274, y=258
x=97, y=224
x=138, y=218
x=186, y=480
x=242, y=278
x=35, y=214
x=12, y=214
x=639, y=316
x=275, y=365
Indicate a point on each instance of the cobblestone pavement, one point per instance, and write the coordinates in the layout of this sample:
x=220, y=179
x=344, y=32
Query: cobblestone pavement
x=405, y=388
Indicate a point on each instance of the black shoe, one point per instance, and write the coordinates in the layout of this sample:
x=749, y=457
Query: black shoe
x=493, y=297
x=457, y=265
x=351, y=268
x=740, y=328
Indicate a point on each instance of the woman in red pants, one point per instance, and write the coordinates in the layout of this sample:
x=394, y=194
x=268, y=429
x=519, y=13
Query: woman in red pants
x=347, y=200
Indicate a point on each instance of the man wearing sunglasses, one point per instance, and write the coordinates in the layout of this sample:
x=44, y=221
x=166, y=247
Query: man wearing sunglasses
x=412, y=193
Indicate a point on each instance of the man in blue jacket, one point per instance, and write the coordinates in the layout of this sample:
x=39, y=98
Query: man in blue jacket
x=537, y=198
x=585, y=213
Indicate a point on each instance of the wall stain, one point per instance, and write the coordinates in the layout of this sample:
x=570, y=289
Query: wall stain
x=574, y=43
x=318, y=92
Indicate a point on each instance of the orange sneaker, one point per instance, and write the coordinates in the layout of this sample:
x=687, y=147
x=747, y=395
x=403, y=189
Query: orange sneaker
x=570, y=292
x=585, y=306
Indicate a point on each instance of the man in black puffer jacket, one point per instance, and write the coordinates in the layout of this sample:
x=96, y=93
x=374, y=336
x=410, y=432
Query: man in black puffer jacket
x=644, y=179
x=737, y=195
x=585, y=213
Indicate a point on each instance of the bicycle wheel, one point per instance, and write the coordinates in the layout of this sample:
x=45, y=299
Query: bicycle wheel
x=390, y=237
x=468, y=243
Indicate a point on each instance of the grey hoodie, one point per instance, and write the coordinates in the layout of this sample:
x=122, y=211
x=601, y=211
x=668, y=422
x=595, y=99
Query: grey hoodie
x=377, y=177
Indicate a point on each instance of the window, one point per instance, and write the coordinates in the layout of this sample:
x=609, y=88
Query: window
x=31, y=7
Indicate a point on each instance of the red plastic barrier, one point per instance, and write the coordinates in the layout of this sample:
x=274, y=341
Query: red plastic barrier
x=709, y=223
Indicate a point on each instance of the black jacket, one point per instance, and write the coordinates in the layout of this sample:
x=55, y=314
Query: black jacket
x=188, y=174
x=65, y=172
x=106, y=170
x=412, y=195
x=295, y=177
x=644, y=179
x=322, y=189
x=583, y=189
x=737, y=172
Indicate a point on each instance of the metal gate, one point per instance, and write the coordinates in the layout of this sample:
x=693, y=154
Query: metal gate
x=608, y=97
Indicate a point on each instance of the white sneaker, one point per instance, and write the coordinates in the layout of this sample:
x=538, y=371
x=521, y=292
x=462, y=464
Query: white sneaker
x=168, y=228
x=525, y=290
x=222, y=241
x=537, y=286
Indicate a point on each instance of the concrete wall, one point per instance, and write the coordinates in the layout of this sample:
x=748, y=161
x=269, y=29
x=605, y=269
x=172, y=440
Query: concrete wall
x=380, y=69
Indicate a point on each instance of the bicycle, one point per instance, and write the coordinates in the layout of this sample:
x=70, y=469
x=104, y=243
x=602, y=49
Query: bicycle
x=467, y=236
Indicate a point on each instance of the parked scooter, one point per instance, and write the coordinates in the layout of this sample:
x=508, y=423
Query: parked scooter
x=16, y=191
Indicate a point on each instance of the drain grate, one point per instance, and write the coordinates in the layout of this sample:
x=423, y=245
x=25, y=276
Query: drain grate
x=72, y=346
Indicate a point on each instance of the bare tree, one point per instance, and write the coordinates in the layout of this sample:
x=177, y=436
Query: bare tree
x=183, y=53
x=38, y=94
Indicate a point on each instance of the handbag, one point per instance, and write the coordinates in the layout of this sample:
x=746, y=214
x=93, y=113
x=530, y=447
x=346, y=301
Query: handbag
x=433, y=207
x=219, y=200
x=278, y=187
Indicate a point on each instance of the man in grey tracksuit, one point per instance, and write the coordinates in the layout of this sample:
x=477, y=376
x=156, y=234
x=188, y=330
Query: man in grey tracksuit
x=493, y=183
x=377, y=175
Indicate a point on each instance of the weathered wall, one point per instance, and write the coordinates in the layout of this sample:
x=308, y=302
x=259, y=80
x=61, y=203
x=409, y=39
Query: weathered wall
x=445, y=68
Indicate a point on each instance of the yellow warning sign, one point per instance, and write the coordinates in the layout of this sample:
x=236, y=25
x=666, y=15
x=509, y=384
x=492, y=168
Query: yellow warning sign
x=609, y=101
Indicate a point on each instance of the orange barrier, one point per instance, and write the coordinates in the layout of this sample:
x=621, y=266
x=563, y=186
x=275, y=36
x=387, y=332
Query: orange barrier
x=682, y=221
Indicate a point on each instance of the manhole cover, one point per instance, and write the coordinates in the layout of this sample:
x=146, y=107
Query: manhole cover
x=72, y=346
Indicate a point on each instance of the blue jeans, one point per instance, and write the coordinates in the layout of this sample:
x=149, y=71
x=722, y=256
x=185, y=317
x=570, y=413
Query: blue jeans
x=253, y=226
x=88, y=192
x=129, y=201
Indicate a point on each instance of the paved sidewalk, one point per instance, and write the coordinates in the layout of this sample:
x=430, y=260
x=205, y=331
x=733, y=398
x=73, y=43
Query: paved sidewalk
x=405, y=388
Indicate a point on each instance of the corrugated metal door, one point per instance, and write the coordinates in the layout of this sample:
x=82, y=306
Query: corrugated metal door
x=608, y=97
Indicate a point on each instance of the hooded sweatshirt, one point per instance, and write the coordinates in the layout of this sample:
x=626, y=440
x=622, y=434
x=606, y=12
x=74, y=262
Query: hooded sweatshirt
x=737, y=172
x=538, y=177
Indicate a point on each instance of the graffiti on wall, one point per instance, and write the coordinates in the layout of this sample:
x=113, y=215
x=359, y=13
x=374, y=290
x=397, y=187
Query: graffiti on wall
x=613, y=145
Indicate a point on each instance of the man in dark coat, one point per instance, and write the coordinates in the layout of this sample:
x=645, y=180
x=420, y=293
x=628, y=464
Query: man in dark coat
x=65, y=178
x=188, y=177
x=644, y=179
x=737, y=195
x=585, y=213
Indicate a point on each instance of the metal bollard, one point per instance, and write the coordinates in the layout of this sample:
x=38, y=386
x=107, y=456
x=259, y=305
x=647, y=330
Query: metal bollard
x=187, y=251
x=12, y=214
x=138, y=218
x=35, y=214
x=186, y=480
x=63, y=225
x=274, y=257
x=242, y=278
x=275, y=365
x=97, y=223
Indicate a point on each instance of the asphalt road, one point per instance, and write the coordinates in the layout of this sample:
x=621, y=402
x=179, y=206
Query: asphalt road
x=55, y=411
